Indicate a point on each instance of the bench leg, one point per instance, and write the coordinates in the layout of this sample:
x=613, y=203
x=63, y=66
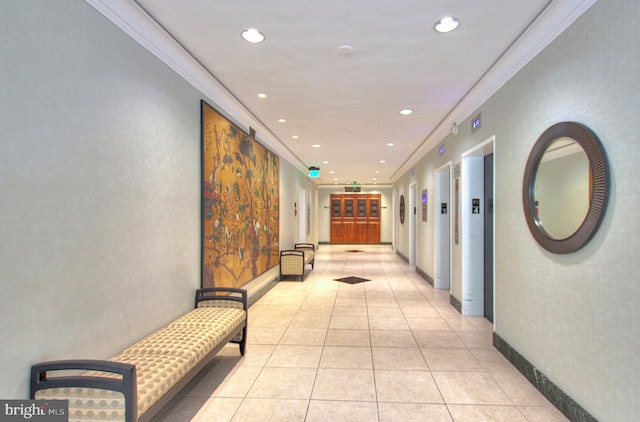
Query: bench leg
x=243, y=343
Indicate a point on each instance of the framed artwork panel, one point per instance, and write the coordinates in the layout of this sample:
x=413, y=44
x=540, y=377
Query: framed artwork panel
x=240, y=203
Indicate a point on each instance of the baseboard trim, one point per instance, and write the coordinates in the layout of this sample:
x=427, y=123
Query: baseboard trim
x=404, y=258
x=569, y=407
x=324, y=242
x=257, y=294
x=424, y=275
x=457, y=305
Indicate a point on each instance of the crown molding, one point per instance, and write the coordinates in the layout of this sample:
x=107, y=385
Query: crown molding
x=553, y=20
x=135, y=22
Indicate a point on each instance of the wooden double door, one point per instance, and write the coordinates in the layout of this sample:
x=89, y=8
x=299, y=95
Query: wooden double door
x=355, y=218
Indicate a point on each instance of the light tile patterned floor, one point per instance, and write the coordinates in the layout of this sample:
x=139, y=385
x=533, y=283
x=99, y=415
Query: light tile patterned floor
x=391, y=349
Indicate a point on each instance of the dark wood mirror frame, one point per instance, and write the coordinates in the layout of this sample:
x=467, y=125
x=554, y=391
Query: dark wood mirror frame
x=401, y=209
x=599, y=194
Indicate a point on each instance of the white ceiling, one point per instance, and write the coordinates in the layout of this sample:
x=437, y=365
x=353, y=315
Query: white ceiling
x=350, y=105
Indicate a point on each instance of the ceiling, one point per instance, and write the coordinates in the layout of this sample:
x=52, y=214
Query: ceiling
x=349, y=104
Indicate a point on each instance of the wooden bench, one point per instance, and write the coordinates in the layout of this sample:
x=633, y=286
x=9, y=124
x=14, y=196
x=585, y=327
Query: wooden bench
x=293, y=261
x=140, y=381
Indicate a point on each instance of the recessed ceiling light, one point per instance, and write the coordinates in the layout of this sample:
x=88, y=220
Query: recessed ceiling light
x=373, y=178
x=261, y=95
x=325, y=162
x=447, y=24
x=295, y=137
x=316, y=145
x=253, y=35
x=390, y=144
x=382, y=161
x=377, y=171
x=345, y=50
x=332, y=172
x=282, y=120
x=406, y=112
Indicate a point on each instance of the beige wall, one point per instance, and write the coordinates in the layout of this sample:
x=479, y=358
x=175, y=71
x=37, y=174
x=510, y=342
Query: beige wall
x=291, y=218
x=573, y=316
x=100, y=188
x=100, y=199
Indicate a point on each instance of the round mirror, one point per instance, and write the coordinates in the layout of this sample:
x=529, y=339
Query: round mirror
x=565, y=187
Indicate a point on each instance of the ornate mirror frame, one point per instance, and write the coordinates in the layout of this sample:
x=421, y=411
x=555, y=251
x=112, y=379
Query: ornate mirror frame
x=599, y=193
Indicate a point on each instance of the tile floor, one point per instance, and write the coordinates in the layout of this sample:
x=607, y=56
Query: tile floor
x=390, y=349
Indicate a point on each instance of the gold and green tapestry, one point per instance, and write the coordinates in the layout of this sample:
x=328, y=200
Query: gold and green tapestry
x=240, y=204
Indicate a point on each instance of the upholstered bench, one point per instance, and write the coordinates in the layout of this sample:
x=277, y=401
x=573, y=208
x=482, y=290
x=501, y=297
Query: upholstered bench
x=140, y=381
x=293, y=261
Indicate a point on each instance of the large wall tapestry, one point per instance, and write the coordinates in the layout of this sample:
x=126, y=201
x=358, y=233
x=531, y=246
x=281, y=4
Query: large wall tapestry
x=240, y=204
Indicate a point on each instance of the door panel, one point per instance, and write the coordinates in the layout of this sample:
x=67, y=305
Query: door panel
x=355, y=218
x=488, y=237
x=443, y=231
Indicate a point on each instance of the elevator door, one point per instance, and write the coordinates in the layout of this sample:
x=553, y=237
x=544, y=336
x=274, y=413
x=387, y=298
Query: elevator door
x=488, y=237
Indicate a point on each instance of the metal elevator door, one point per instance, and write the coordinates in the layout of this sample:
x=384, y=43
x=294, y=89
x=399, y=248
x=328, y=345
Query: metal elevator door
x=488, y=237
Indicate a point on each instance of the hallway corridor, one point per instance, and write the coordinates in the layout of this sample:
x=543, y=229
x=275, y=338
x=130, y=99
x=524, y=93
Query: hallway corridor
x=388, y=349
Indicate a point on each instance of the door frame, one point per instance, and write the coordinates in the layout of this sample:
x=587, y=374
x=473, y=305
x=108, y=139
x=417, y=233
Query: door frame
x=413, y=235
x=446, y=168
x=302, y=215
x=473, y=287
